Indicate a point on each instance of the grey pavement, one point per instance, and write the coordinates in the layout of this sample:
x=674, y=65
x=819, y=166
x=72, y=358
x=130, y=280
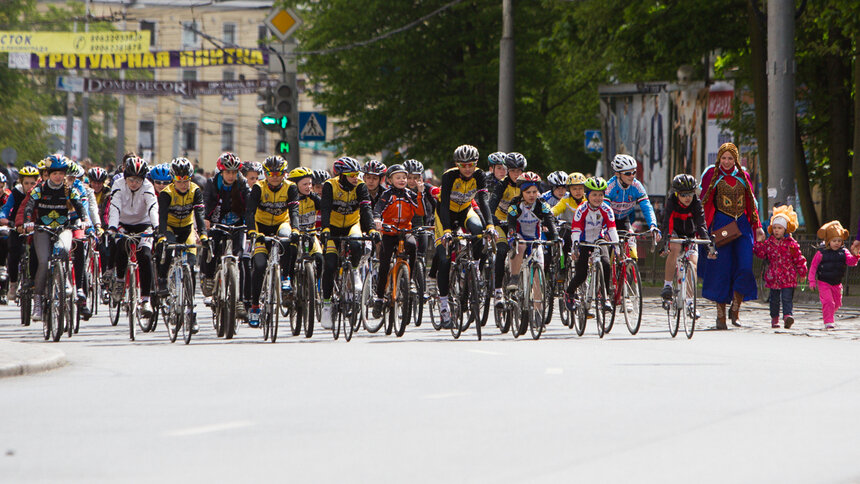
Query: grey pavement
x=744, y=405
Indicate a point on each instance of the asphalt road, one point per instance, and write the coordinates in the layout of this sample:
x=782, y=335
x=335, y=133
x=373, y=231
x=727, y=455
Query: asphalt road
x=732, y=406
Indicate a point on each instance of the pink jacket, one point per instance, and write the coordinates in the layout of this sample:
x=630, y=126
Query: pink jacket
x=786, y=261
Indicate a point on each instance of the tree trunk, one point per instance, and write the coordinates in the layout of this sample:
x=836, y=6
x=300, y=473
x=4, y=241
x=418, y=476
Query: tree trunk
x=838, y=78
x=801, y=175
x=758, y=68
x=855, y=179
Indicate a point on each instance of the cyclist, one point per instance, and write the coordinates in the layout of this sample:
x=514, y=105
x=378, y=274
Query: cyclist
x=346, y=211
x=27, y=177
x=415, y=182
x=98, y=183
x=557, y=188
x=309, y=206
x=134, y=209
x=180, y=209
x=320, y=176
x=49, y=203
x=460, y=185
x=500, y=200
x=624, y=192
x=225, y=198
x=93, y=225
x=160, y=177
x=374, y=171
x=272, y=209
x=497, y=170
x=4, y=243
x=594, y=220
x=566, y=207
x=252, y=171
x=528, y=214
x=397, y=206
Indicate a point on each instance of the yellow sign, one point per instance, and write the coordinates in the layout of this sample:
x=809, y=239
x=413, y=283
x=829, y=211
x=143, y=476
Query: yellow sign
x=283, y=22
x=85, y=43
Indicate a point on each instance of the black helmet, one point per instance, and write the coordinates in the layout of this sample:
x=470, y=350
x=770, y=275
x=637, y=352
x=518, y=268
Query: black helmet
x=466, y=154
x=515, y=160
x=684, y=183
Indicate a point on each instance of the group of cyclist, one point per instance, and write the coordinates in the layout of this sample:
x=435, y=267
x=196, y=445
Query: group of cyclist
x=270, y=203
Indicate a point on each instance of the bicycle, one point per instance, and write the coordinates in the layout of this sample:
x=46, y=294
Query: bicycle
x=270, y=297
x=178, y=306
x=345, y=303
x=225, y=293
x=531, y=280
x=419, y=283
x=592, y=293
x=683, y=304
x=56, y=315
x=305, y=286
x=464, y=290
x=93, y=264
x=627, y=282
x=131, y=287
x=25, y=284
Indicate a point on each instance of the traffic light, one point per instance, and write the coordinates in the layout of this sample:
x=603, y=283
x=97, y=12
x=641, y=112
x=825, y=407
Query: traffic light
x=282, y=147
x=284, y=99
x=273, y=122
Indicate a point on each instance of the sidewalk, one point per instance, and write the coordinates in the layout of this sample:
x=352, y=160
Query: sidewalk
x=22, y=358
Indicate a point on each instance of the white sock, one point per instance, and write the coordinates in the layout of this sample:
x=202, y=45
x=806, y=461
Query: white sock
x=144, y=299
x=667, y=283
x=443, y=303
x=498, y=292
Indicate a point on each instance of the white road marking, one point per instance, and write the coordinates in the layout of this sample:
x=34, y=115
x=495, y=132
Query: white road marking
x=205, y=429
x=554, y=371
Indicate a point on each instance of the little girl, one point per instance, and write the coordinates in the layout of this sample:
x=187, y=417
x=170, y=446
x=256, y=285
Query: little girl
x=828, y=269
x=787, y=264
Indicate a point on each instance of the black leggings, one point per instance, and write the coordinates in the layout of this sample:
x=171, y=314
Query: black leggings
x=173, y=235
x=473, y=226
x=16, y=252
x=260, y=261
x=581, y=268
x=356, y=249
x=144, y=259
x=389, y=243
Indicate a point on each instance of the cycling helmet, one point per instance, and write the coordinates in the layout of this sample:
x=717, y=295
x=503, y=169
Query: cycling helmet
x=374, y=167
x=557, y=178
x=29, y=170
x=42, y=164
x=345, y=164
x=75, y=170
x=516, y=161
x=528, y=179
x=274, y=164
x=2, y=178
x=576, y=178
x=182, y=169
x=398, y=168
x=684, y=183
x=95, y=174
x=160, y=173
x=413, y=167
x=298, y=173
x=624, y=163
x=466, y=154
x=320, y=176
x=595, y=183
x=253, y=166
x=497, y=158
x=135, y=166
x=228, y=161
x=56, y=162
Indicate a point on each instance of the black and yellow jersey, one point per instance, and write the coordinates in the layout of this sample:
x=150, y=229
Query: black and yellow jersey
x=273, y=206
x=180, y=209
x=344, y=205
x=457, y=194
x=505, y=191
x=308, y=206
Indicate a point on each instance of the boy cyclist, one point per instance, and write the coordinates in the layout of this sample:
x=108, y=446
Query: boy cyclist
x=624, y=192
x=506, y=191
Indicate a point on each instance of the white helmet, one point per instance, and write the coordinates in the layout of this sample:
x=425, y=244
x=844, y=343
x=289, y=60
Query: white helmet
x=624, y=163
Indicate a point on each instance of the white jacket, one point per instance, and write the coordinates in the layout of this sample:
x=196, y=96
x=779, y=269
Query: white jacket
x=133, y=208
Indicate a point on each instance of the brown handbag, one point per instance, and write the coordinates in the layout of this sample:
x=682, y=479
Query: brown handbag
x=727, y=234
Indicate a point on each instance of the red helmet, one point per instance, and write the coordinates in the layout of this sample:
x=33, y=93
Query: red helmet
x=229, y=161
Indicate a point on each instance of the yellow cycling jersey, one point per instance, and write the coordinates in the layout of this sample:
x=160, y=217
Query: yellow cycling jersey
x=273, y=208
x=345, y=210
x=566, y=207
x=308, y=207
x=180, y=211
x=462, y=191
x=511, y=191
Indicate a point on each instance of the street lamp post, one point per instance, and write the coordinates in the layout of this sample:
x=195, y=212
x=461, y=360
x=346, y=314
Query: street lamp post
x=506, y=78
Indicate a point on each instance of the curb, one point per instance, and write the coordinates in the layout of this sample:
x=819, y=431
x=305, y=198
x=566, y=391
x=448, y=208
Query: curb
x=23, y=359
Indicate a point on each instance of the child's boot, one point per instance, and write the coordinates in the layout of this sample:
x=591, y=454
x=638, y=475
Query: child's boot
x=774, y=322
x=788, y=320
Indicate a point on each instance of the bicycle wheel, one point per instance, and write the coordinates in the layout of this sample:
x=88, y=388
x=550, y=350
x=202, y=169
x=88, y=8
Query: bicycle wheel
x=631, y=297
x=310, y=298
x=295, y=313
x=567, y=316
x=475, y=296
x=55, y=308
x=274, y=302
x=348, y=303
x=615, y=284
x=400, y=313
x=114, y=303
x=187, y=304
x=581, y=313
x=371, y=324
x=336, y=318
x=94, y=283
x=265, y=317
x=416, y=297
x=25, y=300
x=218, y=304
x=537, y=307
x=231, y=300
x=690, y=326
x=486, y=281
x=144, y=323
x=599, y=299
x=454, y=298
x=503, y=319
x=672, y=312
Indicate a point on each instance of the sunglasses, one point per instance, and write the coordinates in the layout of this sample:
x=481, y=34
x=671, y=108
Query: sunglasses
x=468, y=164
x=629, y=173
x=350, y=174
x=276, y=173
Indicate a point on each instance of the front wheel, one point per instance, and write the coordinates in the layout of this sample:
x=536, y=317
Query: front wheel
x=312, y=302
x=55, y=310
x=371, y=324
x=187, y=304
x=228, y=318
x=599, y=299
x=417, y=296
x=400, y=313
x=631, y=302
x=690, y=322
x=351, y=307
x=536, y=302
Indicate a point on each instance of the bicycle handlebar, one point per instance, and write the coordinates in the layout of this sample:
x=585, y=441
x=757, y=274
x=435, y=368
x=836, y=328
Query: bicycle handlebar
x=227, y=229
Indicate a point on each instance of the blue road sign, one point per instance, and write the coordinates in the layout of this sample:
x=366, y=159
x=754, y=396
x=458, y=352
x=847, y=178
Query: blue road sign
x=312, y=126
x=593, y=141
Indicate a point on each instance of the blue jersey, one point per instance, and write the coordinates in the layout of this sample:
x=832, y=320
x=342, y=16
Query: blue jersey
x=624, y=200
x=549, y=198
x=78, y=186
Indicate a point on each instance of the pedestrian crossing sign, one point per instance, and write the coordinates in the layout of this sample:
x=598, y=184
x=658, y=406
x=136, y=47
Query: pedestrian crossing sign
x=312, y=126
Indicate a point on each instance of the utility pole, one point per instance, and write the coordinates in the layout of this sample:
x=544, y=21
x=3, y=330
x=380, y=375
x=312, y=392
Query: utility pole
x=506, y=78
x=780, y=112
x=70, y=112
x=85, y=99
x=120, y=115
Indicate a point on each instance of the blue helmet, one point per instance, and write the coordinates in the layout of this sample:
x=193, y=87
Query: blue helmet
x=161, y=173
x=56, y=162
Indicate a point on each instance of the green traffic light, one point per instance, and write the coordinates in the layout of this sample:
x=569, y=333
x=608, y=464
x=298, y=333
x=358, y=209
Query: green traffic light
x=283, y=147
x=268, y=120
x=284, y=121
x=281, y=121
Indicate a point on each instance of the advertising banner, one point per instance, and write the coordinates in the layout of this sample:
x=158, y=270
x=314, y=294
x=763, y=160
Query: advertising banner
x=176, y=88
x=75, y=42
x=719, y=110
x=151, y=60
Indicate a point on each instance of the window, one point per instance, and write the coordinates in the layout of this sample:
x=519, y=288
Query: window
x=261, y=139
x=146, y=136
x=189, y=75
x=230, y=34
x=262, y=32
x=227, y=136
x=189, y=34
x=228, y=76
x=189, y=136
x=150, y=26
